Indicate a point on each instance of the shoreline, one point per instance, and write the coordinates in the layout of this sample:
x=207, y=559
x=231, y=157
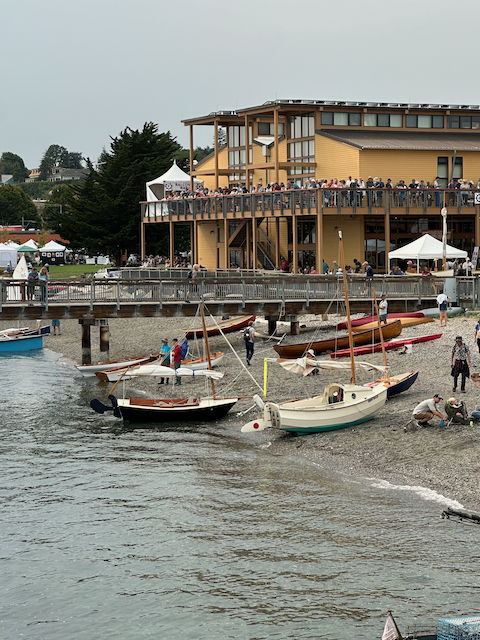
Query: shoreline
x=389, y=448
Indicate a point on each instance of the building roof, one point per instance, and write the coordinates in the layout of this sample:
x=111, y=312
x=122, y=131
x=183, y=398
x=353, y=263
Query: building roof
x=403, y=140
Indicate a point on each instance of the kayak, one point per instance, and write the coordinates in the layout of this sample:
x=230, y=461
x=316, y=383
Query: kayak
x=396, y=343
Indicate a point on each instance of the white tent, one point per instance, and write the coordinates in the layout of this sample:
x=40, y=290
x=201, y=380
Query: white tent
x=425, y=248
x=53, y=253
x=8, y=254
x=30, y=246
x=173, y=180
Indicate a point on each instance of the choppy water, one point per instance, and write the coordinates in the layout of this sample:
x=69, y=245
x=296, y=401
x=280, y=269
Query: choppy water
x=200, y=535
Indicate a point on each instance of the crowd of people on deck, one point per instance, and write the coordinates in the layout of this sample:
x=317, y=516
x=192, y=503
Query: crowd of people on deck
x=353, y=191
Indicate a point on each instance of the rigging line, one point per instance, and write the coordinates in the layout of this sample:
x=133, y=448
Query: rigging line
x=235, y=353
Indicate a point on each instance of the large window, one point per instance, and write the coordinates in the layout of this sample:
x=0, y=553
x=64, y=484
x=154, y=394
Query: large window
x=301, y=152
x=442, y=171
x=424, y=122
x=342, y=119
x=463, y=122
x=302, y=126
x=383, y=120
x=268, y=128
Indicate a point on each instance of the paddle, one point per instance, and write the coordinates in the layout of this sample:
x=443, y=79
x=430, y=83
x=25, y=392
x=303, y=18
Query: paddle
x=99, y=407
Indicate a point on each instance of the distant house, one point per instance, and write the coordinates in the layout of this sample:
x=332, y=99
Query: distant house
x=34, y=174
x=6, y=179
x=58, y=174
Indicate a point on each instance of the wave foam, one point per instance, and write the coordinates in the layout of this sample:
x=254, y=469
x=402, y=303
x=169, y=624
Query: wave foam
x=423, y=492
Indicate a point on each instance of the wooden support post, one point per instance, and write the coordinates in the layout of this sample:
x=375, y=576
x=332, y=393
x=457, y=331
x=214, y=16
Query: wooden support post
x=226, y=244
x=192, y=185
x=477, y=226
x=215, y=137
x=319, y=237
x=142, y=239
x=275, y=130
x=172, y=243
x=294, y=328
x=277, y=242
x=272, y=327
x=295, y=240
x=387, y=238
x=247, y=144
x=249, y=244
x=86, y=337
x=254, y=244
x=195, y=243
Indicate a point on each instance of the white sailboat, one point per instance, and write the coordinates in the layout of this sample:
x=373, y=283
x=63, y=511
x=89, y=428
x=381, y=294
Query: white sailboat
x=340, y=405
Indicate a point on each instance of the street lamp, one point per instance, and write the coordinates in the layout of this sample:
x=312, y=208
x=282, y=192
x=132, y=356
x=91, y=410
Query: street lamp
x=444, y=238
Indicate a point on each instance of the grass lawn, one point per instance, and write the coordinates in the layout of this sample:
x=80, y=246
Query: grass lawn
x=61, y=272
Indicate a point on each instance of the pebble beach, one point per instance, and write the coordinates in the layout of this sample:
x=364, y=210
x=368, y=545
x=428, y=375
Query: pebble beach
x=390, y=448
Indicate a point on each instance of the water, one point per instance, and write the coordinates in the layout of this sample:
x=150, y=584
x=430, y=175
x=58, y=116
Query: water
x=200, y=535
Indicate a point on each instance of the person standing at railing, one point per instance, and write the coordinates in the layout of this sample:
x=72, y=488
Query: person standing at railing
x=370, y=184
x=380, y=186
x=43, y=279
x=436, y=187
x=31, y=282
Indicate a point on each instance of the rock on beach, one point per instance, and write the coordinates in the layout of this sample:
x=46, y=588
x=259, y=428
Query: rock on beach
x=390, y=448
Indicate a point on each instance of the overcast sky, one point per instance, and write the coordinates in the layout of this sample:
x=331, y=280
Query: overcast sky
x=76, y=73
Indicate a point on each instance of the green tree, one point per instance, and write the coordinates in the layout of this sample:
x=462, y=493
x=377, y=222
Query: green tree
x=15, y=205
x=103, y=212
x=74, y=160
x=54, y=156
x=11, y=164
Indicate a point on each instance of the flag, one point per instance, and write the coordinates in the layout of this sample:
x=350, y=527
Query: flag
x=391, y=631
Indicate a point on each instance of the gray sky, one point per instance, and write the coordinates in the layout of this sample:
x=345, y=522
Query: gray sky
x=76, y=73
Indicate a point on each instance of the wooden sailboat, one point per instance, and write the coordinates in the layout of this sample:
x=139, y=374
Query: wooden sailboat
x=340, y=405
x=405, y=322
x=227, y=326
x=189, y=410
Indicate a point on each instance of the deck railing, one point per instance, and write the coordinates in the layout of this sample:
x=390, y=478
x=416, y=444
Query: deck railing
x=246, y=289
x=311, y=201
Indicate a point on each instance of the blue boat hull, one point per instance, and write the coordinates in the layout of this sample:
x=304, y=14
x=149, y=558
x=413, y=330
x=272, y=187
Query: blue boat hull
x=22, y=343
x=403, y=385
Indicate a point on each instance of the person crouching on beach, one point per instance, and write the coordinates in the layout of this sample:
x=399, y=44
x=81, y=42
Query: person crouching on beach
x=460, y=363
x=425, y=411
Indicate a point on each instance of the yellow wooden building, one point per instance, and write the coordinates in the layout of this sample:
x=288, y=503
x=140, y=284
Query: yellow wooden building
x=296, y=140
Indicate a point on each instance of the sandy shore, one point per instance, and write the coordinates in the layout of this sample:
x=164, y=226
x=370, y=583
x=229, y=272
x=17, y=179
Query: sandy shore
x=389, y=448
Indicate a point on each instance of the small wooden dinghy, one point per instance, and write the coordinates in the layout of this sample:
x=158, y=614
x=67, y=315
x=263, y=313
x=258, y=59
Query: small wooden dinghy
x=296, y=350
x=405, y=322
x=88, y=370
x=396, y=384
x=196, y=364
x=361, y=321
x=227, y=326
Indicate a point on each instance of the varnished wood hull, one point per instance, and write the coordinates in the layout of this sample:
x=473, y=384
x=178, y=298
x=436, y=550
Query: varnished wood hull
x=392, y=330
x=406, y=322
x=227, y=326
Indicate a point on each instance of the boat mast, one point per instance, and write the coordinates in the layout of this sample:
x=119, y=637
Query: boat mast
x=205, y=335
x=380, y=331
x=347, y=307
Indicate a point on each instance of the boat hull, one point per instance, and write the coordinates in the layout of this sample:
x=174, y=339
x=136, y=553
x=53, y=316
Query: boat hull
x=21, y=343
x=143, y=410
x=89, y=370
x=227, y=326
x=392, y=344
x=317, y=415
x=398, y=384
x=451, y=311
x=360, y=321
x=405, y=322
x=392, y=330
x=196, y=364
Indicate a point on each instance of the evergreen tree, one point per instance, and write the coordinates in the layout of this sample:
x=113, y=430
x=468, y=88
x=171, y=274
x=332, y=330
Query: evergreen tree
x=103, y=213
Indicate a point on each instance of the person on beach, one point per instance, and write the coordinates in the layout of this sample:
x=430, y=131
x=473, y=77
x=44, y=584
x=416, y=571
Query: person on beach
x=460, y=363
x=383, y=309
x=177, y=359
x=442, y=302
x=164, y=358
x=425, y=411
x=249, y=337
x=55, y=326
x=457, y=411
x=477, y=334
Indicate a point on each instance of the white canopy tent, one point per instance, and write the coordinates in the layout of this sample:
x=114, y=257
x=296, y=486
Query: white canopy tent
x=175, y=179
x=53, y=253
x=425, y=248
x=30, y=246
x=8, y=254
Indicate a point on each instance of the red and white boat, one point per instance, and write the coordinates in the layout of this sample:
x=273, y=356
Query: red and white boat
x=396, y=343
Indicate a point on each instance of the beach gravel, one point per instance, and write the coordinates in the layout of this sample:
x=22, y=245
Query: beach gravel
x=391, y=447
